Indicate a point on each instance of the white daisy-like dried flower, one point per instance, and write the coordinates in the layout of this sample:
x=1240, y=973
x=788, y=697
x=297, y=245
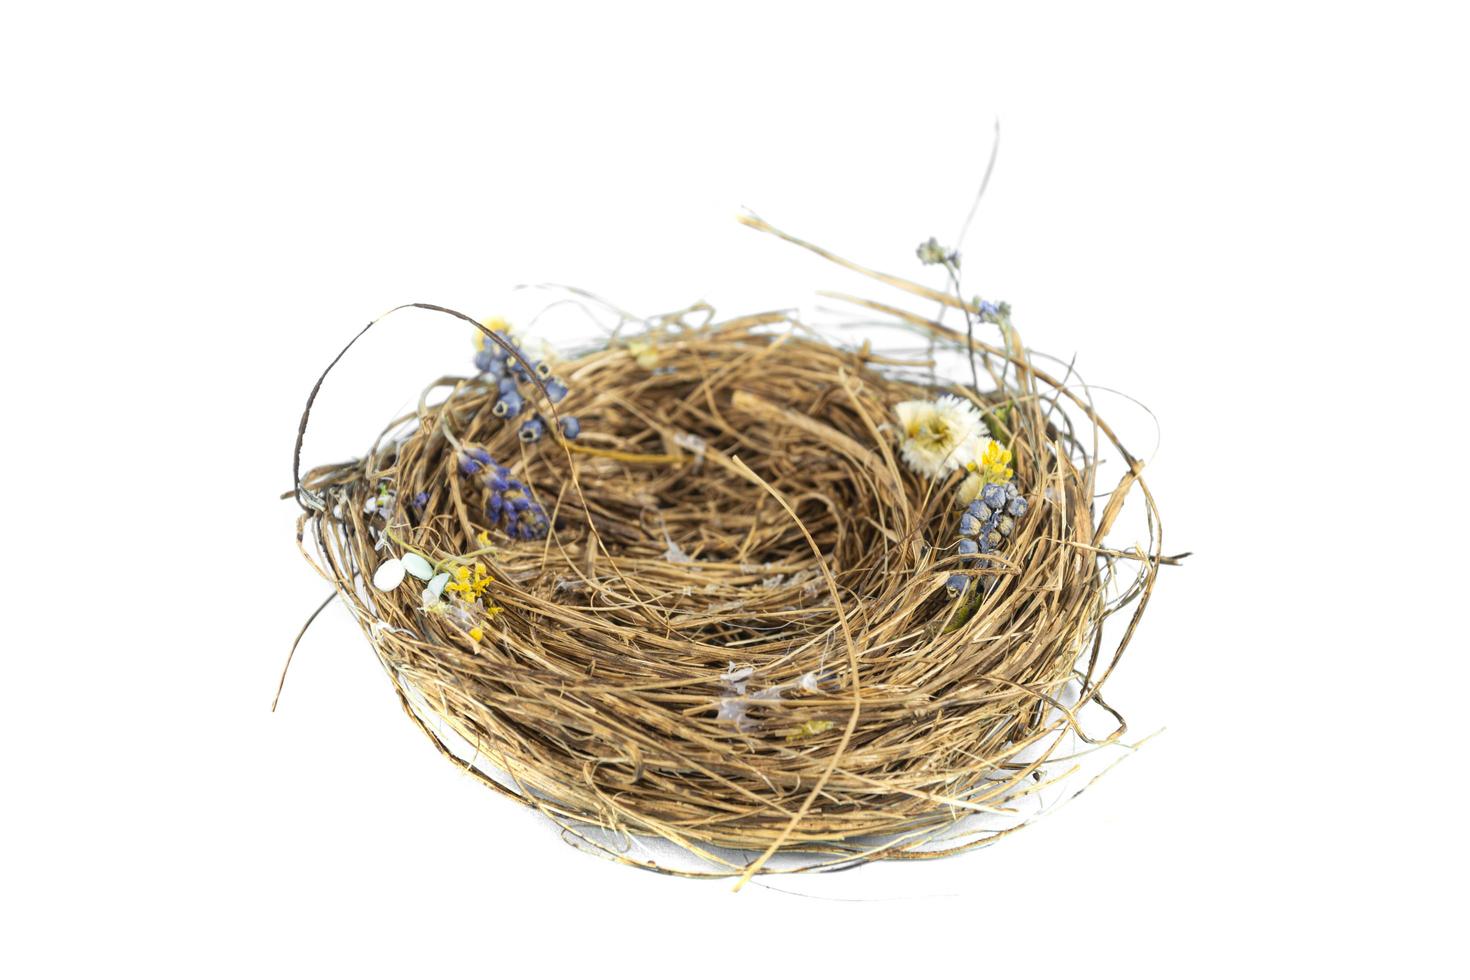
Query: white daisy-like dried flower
x=939, y=435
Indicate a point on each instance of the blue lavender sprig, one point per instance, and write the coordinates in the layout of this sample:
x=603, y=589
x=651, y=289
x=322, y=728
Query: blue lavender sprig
x=988, y=520
x=511, y=505
x=509, y=373
x=474, y=461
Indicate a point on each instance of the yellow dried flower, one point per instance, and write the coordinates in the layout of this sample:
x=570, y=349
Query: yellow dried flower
x=995, y=464
x=470, y=584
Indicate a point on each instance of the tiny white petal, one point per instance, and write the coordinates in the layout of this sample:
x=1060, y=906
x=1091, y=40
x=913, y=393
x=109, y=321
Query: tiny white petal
x=674, y=553
x=732, y=709
x=389, y=575
x=418, y=566
x=435, y=588
x=736, y=678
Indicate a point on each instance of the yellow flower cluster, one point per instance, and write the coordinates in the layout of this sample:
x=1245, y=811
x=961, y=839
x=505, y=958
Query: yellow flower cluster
x=994, y=465
x=470, y=583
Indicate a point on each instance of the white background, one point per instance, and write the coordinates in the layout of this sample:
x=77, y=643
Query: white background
x=1254, y=219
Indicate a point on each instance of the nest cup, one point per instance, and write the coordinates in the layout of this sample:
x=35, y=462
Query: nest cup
x=737, y=634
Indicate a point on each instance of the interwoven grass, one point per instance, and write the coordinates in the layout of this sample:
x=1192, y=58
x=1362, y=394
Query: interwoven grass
x=744, y=506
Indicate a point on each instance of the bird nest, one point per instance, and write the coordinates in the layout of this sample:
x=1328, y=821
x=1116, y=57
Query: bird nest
x=730, y=613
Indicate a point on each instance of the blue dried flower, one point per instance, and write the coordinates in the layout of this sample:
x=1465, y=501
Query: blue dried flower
x=1017, y=507
x=543, y=370
x=956, y=585
x=490, y=361
x=969, y=524
x=474, y=460
x=994, y=496
x=531, y=430
x=968, y=546
x=420, y=499
x=525, y=519
x=510, y=502
x=555, y=391
x=507, y=384
x=978, y=510
x=570, y=427
x=509, y=405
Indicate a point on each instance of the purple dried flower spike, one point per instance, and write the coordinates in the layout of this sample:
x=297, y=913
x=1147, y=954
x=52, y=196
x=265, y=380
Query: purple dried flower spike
x=511, y=504
x=510, y=372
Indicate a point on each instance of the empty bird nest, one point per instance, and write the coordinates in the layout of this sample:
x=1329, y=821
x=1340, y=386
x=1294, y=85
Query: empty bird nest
x=783, y=603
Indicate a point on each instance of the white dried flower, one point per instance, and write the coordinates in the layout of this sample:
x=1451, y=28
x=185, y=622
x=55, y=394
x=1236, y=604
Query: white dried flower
x=736, y=678
x=939, y=435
